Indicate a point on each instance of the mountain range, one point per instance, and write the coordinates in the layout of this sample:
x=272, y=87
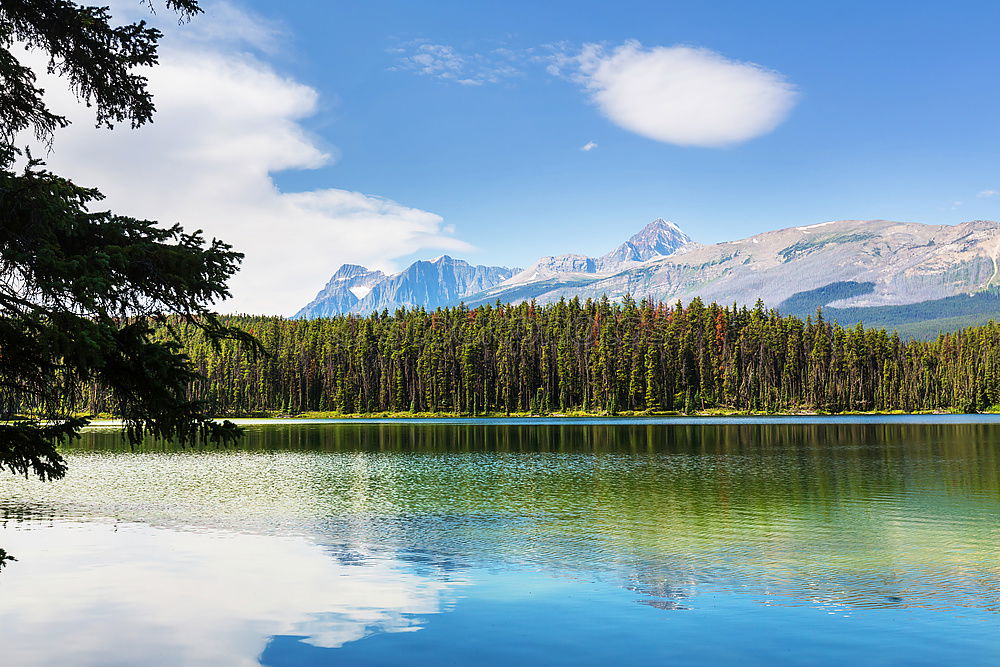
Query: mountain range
x=916, y=277
x=429, y=284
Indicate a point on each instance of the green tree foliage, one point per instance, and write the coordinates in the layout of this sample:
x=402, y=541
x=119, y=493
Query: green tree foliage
x=96, y=59
x=82, y=289
x=591, y=355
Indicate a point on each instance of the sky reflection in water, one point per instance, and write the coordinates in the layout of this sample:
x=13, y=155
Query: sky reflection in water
x=491, y=543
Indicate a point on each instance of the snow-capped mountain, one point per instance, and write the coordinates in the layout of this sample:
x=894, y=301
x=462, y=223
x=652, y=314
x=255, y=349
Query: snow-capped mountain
x=897, y=262
x=857, y=268
x=344, y=291
x=657, y=239
x=443, y=281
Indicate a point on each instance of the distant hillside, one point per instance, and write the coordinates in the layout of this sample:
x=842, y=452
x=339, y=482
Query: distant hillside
x=925, y=319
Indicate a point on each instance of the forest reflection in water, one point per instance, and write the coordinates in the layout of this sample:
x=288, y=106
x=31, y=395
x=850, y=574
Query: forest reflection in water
x=887, y=515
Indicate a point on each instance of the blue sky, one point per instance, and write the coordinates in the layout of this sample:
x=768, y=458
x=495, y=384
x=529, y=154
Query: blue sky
x=897, y=117
x=310, y=134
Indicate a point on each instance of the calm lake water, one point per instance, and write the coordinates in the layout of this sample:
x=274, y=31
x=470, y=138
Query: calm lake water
x=866, y=541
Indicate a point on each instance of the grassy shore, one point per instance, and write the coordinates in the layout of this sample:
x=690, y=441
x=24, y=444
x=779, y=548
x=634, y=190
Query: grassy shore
x=575, y=414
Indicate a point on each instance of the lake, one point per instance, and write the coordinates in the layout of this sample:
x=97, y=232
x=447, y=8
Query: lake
x=867, y=541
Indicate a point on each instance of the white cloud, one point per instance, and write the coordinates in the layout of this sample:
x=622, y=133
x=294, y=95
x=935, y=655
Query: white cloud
x=435, y=60
x=226, y=121
x=680, y=95
x=988, y=193
x=445, y=62
x=589, y=146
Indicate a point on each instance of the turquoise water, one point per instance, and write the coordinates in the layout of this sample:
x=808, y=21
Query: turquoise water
x=586, y=542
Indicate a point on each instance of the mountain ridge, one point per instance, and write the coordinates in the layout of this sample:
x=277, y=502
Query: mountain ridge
x=898, y=263
x=425, y=283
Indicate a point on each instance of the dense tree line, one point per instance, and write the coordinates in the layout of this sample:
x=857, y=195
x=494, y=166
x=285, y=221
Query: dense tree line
x=594, y=356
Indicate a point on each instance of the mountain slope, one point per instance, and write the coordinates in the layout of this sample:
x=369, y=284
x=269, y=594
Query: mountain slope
x=904, y=262
x=348, y=285
x=429, y=284
x=657, y=239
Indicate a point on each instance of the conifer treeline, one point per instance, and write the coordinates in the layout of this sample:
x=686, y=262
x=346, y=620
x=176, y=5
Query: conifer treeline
x=594, y=356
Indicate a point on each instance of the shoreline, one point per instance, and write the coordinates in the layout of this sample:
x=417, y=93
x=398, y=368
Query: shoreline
x=714, y=415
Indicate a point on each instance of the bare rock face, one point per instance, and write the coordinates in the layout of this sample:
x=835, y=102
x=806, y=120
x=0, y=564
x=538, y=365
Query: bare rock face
x=428, y=284
x=551, y=267
x=345, y=289
x=657, y=239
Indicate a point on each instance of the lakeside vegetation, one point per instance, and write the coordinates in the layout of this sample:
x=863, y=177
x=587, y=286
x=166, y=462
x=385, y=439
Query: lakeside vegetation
x=105, y=419
x=584, y=358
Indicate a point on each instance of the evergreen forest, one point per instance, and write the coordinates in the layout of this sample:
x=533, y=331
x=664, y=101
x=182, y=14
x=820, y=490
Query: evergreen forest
x=583, y=356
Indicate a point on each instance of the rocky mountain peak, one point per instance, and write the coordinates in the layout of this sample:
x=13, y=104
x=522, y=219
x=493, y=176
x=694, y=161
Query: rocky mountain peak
x=351, y=271
x=425, y=283
x=660, y=235
x=658, y=238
